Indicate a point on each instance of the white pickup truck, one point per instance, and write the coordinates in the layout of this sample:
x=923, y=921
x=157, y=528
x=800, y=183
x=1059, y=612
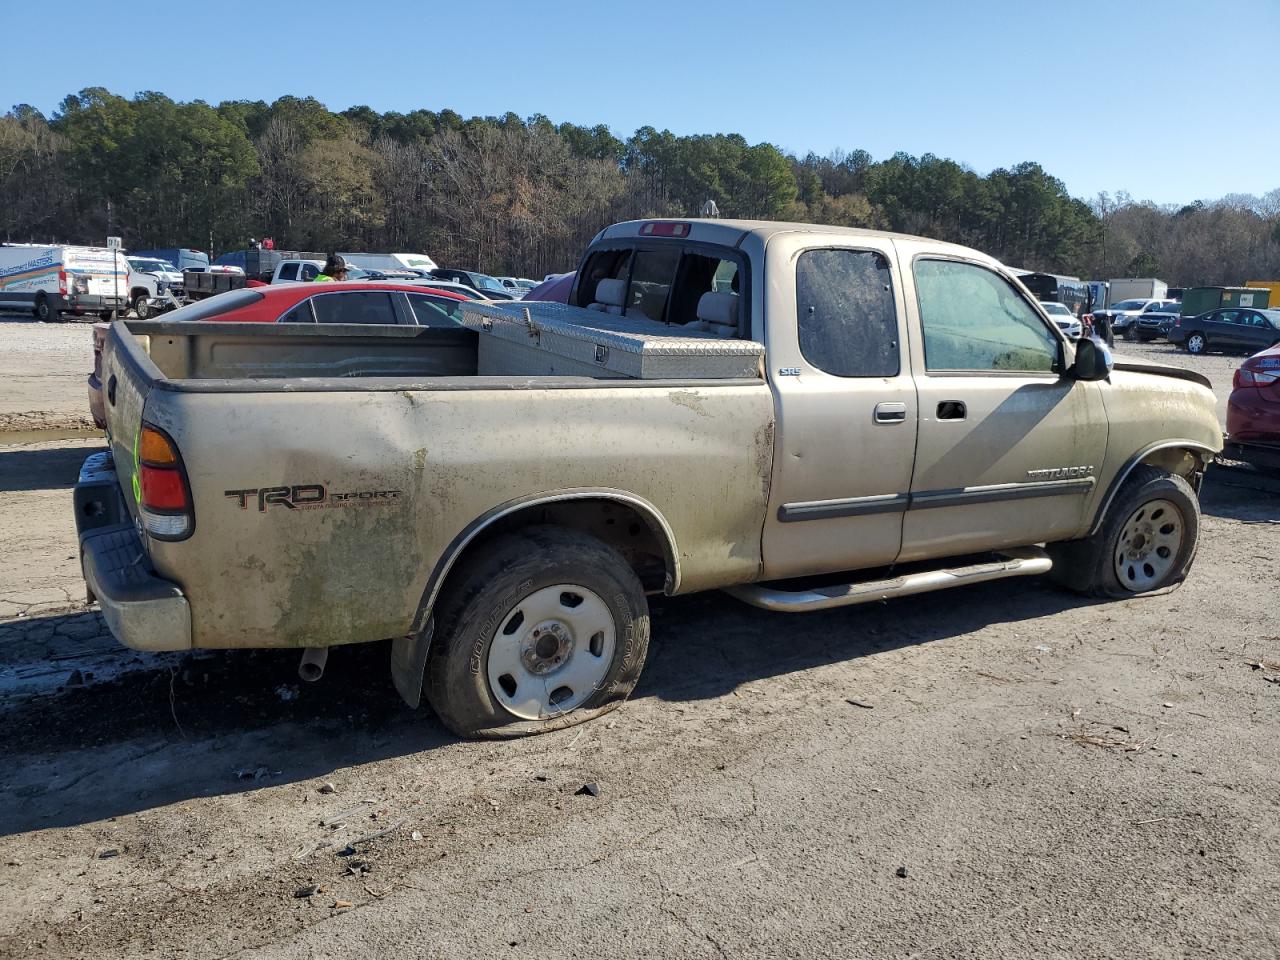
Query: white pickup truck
x=722, y=405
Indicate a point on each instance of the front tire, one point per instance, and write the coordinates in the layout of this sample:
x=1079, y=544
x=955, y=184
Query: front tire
x=542, y=629
x=1130, y=333
x=1197, y=343
x=141, y=309
x=1147, y=542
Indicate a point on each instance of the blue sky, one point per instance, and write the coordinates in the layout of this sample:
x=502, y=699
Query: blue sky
x=1172, y=101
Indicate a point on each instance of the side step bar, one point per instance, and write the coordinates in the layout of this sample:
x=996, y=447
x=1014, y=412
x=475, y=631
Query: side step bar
x=1022, y=562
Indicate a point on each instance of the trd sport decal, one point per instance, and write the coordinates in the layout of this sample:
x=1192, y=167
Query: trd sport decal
x=308, y=496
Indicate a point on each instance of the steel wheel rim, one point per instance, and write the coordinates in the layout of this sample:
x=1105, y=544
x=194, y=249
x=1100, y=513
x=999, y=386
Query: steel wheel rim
x=551, y=651
x=1149, y=545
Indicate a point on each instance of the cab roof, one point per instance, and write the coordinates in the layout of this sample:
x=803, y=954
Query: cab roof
x=733, y=232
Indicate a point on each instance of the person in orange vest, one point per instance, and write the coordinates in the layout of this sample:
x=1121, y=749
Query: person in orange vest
x=335, y=268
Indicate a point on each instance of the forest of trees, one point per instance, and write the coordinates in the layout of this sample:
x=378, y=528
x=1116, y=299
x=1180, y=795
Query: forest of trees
x=524, y=196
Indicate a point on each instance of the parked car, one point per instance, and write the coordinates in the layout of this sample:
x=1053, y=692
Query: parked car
x=1234, y=329
x=1118, y=315
x=1155, y=320
x=482, y=283
x=517, y=286
x=346, y=302
x=1253, y=411
x=429, y=283
x=1061, y=315
x=505, y=528
x=556, y=288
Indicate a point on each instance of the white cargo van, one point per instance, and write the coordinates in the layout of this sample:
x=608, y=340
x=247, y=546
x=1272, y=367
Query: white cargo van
x=51, y=280
x=390, y=261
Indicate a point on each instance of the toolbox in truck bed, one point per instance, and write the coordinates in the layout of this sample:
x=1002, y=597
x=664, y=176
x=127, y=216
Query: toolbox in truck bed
x=545, y=339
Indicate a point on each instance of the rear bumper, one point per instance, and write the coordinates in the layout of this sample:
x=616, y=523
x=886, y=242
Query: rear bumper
x=142, y=610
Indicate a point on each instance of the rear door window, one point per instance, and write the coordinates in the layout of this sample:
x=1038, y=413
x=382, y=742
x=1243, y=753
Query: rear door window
x=355, y=306
x=289, y=271
x=435, y=311
x=652, y=274
x=847, y=321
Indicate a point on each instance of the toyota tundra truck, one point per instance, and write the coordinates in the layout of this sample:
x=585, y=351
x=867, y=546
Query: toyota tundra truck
x=806, y=417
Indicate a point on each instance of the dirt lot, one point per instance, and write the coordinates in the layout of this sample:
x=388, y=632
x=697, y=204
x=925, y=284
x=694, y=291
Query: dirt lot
x=43, y=368
x=1054, y=777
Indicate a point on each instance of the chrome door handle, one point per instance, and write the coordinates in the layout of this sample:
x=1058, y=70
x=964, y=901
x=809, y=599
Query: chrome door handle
x=890, y=412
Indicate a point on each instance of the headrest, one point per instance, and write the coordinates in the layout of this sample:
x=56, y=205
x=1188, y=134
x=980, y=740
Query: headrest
x=719, y=308
x=611, y=292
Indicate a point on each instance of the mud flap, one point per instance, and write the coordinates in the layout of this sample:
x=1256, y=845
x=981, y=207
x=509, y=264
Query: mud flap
x=409, y=663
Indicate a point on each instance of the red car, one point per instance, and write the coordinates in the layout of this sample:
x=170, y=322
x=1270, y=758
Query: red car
x=345, y=302
x=1253, y=411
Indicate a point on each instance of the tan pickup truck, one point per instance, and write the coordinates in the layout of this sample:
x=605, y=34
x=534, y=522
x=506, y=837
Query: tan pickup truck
x=722, y=405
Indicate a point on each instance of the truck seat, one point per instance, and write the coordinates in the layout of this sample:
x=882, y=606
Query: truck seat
x=717, y=315
x=609, y=296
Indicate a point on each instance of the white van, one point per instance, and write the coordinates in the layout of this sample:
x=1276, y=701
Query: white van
x=390, y=261
x=52, y=280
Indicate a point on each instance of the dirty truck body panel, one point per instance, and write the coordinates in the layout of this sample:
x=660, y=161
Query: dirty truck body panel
x=336, y=473
x=321, y=512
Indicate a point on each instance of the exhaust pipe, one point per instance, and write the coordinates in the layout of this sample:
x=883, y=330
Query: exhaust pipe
x=311, y=667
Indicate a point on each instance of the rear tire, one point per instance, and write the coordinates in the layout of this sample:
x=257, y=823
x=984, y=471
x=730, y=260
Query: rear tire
x=1147, y=541
x=1196, y=343
x=540, y=630
x=44, y=310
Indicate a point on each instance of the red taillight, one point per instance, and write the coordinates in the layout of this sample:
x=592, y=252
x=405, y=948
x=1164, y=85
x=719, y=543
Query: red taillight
x=664, y=230
x=1254, y=378
x=1178, y=322
x=163, y=489
x=62, y=282
x=164, y=498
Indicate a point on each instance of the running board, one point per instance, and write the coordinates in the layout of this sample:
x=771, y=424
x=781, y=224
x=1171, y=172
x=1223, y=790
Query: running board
x=1022, y=562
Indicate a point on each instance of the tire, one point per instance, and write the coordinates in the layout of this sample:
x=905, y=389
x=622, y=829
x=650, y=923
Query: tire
x=1147, y=541
x=1130, y=333
x=529, y=608
x=44, y=310
x=141, y=309
x=107, y=316
x=1196, y=343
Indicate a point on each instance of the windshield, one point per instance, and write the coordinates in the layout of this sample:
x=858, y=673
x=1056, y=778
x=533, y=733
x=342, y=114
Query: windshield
x=1129, y=305
x=488, y=283
x=1056, y=309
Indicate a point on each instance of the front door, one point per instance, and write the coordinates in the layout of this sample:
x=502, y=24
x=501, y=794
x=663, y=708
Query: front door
x=1009, y=446
x=846, y=422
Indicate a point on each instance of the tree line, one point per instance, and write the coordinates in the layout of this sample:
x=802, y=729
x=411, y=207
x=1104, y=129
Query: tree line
x=524, y=196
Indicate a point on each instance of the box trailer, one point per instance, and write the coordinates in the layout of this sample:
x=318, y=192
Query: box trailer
x=1138, y=288
x=1198, y=300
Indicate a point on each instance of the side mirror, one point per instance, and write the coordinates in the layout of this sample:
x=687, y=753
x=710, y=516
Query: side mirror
x=1093, y=360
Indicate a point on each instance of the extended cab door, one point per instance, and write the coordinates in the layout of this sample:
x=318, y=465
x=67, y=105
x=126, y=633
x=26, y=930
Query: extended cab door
x=1009, y=444
x=846, y=406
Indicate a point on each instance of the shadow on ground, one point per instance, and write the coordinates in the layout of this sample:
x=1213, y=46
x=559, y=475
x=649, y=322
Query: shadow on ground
x=219, y=723
x=23, y=468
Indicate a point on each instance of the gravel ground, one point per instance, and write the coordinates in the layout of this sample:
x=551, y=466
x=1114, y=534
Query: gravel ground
x=1002, y=771
x=43, y=367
